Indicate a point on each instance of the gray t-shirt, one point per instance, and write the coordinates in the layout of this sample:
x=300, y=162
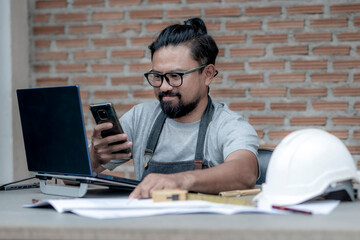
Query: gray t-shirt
x=226, y=133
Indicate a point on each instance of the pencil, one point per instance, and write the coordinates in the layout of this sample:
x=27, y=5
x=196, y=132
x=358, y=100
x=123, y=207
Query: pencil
x=291, y=209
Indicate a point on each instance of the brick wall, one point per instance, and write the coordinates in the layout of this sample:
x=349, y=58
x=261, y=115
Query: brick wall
x=284, y=65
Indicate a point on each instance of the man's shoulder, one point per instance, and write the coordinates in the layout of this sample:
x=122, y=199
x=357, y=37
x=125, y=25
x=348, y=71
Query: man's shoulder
x=224, y=113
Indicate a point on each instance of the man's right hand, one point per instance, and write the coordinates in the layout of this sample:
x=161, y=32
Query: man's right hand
x=100, y=150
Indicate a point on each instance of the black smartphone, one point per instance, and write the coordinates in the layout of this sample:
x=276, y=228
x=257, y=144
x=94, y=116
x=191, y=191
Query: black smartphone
x=105, y=112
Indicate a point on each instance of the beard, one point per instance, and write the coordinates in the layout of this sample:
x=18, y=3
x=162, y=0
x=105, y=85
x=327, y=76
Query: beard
x=177, y=110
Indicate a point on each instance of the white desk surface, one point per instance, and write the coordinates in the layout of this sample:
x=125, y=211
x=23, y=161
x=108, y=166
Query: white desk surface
x=17, y=222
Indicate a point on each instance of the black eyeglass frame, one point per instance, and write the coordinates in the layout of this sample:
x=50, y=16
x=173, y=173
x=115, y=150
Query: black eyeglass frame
x=181, y=74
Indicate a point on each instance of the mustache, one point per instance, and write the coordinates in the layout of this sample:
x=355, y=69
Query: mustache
x=169, y=94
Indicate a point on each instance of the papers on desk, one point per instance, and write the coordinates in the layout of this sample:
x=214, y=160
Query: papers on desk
x=108, y=208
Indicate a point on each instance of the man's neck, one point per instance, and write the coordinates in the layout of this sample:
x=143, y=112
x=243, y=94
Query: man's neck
x=196, y=114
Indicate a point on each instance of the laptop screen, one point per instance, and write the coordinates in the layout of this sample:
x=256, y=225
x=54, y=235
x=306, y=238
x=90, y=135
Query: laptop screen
x=53, y=130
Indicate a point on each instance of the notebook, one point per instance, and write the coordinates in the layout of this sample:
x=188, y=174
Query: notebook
x=55, y=140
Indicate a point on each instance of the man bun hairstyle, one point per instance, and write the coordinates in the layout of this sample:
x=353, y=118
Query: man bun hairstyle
x=192, y=33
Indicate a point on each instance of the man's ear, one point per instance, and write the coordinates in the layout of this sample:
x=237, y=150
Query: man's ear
x=209, y=73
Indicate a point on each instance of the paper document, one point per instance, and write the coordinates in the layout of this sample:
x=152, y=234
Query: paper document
x=107, y=208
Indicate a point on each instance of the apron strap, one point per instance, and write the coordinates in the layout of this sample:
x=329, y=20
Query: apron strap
x=159, y=123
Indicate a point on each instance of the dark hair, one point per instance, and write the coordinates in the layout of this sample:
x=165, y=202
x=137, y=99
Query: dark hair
x=193, y=32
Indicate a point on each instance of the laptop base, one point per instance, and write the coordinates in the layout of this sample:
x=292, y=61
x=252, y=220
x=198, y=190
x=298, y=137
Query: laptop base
x=68, y=191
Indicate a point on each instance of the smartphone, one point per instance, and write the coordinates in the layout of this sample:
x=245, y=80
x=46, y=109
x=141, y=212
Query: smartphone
x=105, y=112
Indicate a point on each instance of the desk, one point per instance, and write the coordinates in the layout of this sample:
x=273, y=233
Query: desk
x=17, y=222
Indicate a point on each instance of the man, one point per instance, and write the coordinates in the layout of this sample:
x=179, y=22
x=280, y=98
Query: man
x=185, y=140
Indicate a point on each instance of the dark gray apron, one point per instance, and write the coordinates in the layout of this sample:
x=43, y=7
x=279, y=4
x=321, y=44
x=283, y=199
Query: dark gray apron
x=180, y=166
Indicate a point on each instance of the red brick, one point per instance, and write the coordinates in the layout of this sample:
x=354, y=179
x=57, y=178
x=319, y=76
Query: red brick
x=248, y=105
x=129, y=80
x=278, y=134
x=329, y=77
x=108, y=15
x=357, y=134
x=183, y=13
x=71, y=68
x=260, y=133
x=305, y=9
x=262, y=11
x=226, y=39
x=115, y=3
x=42, y=43
x=46, y=30
x=247, y=52
x=346, y=91
x=51, y=4
x=51, y=55
x=357, y=77
x=279, y=24
x=228, y=92
x=346, y=64
x=123, y=27
x=85, y=29
x=143, y=14
x=342, y=134
x=266, y=120
x=164, y=1
x=357, y=21
x=291, y=50
x=287, y=77
x=354, y=149
x=90, y=54
x=268, y=92
x=332, y=50
x=68, y=17
x=329, y=106
x=201, y=1
x=114, y=41
x=269, y=38
x=90, y=80
x=131, y=53
x=143, y=94
x=347, y=121
x=309, y=64
x=308, y=121
x=288, y=106
x=308, y=92
x=86, y=3
x=140, y=67
x=329, y=22
x=223, y=66
x=313, y=37
x=222, y=12
x=352, y=36
x=142, y=40
x=51, y=81
x=157, y=27
x=41, y=68
x=42, y=17
x=110, y=94
x=345, y=8
x=357, y=105
x=78, y=42
x=267, y=64
x=107, y=67
x=243, y=25
x=247, y=78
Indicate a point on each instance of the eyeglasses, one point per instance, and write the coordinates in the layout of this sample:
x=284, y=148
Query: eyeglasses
x=174, y=79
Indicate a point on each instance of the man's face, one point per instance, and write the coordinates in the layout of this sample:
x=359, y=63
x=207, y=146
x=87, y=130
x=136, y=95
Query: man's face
x=177, y=102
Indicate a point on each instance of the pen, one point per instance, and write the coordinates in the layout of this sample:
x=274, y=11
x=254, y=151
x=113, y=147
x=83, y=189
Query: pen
x=245, y=192
x=291, y=209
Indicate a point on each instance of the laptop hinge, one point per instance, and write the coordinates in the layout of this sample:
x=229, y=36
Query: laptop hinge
x=63, y=190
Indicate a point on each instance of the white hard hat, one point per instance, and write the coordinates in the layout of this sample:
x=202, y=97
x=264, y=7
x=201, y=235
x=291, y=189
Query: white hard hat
x=304, y=165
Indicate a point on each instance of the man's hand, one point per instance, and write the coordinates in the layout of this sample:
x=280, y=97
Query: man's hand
x=155, y=181
x=100, y=150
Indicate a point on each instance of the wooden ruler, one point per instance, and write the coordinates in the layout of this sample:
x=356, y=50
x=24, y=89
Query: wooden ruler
x=181, y=195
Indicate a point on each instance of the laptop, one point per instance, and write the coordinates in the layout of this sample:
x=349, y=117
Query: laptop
x=55, y=141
